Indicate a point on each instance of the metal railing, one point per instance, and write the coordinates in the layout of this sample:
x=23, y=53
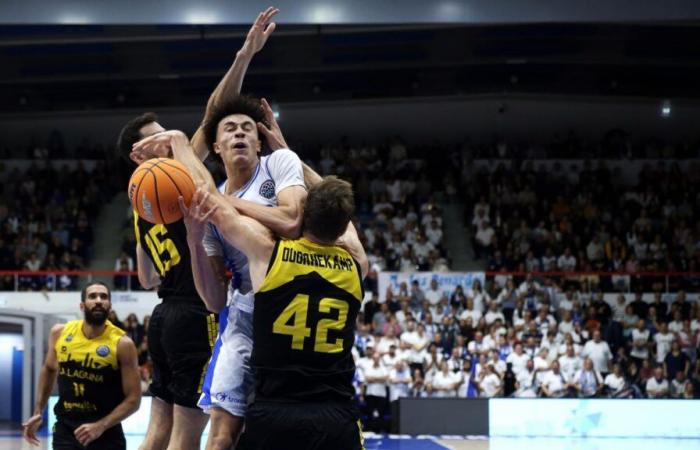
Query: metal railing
x=55, y=280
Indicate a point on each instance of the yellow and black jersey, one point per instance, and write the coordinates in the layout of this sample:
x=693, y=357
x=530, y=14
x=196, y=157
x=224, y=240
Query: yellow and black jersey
x=166, y=246
x=89, y=378
x=304, y=323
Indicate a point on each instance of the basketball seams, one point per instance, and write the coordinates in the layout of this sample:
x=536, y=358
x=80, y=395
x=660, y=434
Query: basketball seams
x=172, y=180
x=170, y=173
x=182, y=171
x=157, y=198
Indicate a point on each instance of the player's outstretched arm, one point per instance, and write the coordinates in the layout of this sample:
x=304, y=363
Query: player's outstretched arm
x=176, y=141
x=47, y=379
x=244, y=233
x=230, y=84
x=209, y=272
x=131, y=385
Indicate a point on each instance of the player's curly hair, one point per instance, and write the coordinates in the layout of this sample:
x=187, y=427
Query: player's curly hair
x=240, y=104
x=131, y=134
x=328, y=209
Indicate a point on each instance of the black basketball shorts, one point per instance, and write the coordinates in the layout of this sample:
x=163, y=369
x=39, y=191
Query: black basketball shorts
x=180, y=338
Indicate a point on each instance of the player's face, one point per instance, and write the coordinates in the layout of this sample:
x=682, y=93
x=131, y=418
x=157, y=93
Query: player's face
x=237, y=140
x=97, y=305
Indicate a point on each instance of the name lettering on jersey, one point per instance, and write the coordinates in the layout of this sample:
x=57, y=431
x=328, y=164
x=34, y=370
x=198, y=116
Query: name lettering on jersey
x=79, y=406
x=315, y=260
x=82, y=375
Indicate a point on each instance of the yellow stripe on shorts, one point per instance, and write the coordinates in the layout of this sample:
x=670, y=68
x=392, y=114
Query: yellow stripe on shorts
x=362, y=436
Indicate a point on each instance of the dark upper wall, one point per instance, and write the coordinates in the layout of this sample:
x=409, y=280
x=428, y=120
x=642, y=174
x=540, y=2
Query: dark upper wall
x=417, y=120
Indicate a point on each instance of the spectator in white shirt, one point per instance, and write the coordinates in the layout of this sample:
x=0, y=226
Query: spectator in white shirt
x=657, y=386
x=566, y=262
x=386, y=341
x=483, y=240
x=544, y=320
x=676, y=325
x=445, y=382
x=567, y=303
x=393, y=356
x=376, y=376
x=550, y=341
x=481, y=298
x=399, y=381
x=518, y=359
x=433, y=294
x=615, y=381
x=678, y=385
x=640, y=343
x=366, y=361
x=541, y=363
x=434, y=233
x=588, y=382
x=490, y=384
x=599, y=352
x=493, y=314
x=414, y=344
x=554, y=383
x=663, y=341
x=477, y=346
x=469, y=311
x=525, y=384
x=570, y=363
x=499, y=366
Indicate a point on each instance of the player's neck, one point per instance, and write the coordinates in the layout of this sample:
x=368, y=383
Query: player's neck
x=310, y=237
x=93, y=331
x=238, y=176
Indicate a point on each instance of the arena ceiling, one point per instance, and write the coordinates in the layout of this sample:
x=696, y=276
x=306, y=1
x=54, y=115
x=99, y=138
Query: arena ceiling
x=649, y=50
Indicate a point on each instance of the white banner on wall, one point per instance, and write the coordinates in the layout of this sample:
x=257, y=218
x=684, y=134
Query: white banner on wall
x=67, y=304
x=594, y=418
x=448, y=281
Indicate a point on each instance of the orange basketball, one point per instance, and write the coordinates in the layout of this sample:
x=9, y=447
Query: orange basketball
x=155, y=186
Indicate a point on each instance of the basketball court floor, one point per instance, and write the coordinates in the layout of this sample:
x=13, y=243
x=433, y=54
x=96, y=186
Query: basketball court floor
x=12, y=440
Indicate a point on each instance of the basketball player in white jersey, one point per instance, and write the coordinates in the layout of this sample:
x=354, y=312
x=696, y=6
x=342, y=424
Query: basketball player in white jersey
x=269, y=189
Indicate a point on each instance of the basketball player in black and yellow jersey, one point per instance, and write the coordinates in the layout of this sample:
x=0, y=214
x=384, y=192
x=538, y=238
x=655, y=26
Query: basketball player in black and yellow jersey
x=98, y=379
x=308, y=292
x=182, y=332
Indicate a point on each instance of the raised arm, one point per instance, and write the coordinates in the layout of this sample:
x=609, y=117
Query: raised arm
x=230, y=84
x=131, y=386
x=47, y=379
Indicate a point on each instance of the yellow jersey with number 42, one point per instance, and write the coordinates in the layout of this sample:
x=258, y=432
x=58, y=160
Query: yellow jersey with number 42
x=304, y=323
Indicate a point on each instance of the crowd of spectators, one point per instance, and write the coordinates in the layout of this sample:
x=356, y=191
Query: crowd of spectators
x=572, y=218
x=530, y=339
x=401, y=221
x=138, y=332
x=47, y=215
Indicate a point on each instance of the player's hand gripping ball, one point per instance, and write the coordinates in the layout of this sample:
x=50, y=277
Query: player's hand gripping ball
x=155, y=186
